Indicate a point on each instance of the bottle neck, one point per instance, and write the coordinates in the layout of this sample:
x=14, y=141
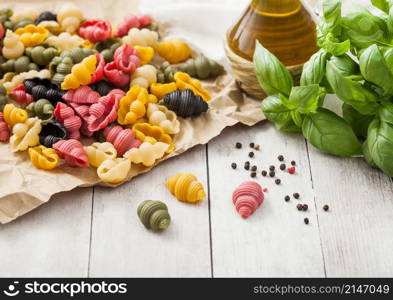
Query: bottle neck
x=276, y=8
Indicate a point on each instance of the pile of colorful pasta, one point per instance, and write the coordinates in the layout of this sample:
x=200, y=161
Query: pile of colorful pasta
x=65, y=79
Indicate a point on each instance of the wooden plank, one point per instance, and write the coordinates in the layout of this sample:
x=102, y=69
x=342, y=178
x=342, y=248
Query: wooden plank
x=357, y=233
x=121, y=246
x=51, y=241
x=274, y=241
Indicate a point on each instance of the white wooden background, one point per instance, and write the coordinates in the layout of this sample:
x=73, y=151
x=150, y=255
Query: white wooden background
x=95, y=231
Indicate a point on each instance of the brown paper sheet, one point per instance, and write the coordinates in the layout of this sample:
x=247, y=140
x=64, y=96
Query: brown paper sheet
x=24, y=188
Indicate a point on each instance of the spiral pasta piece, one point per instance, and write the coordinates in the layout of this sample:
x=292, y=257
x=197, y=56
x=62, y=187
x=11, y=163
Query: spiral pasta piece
x=103, y=112
x=45, y=16
x=42, y=109
x=186, y=188
x=72, y=123
x=247, y=198
x=42, y=55
x=12, y=47
x=166, y=73
x=147, y=153
x=122, y=139
x=81, y=74
x=102, y=87
x=19, y=65
x=65, y=41
x=24, y=14
x=82, y=95
x=20, y=78
x=154, y=215
x=116, y=76
x=52, y=26
x=132, y=22
x=144, y=76
x=201, y=68
x=3, y=97
x=159, y=115
x=95, y=30
x=133, y=105
x=185, y=82
x=25, y=135
x=69, y=17
x=72, y=152
x=4, y=130
x=152, y=134
x=174, y=51
x=43, y=158
x=32, y=35
x=126, y=59
x=114, y=171
x=20, y=95
x=185, y=103
x=162, y=89
x=145, y=54
x=43, y=88
x=13, y=115
x=51, y=133
x=108, y=47
x=141, y=37
x=100, y=152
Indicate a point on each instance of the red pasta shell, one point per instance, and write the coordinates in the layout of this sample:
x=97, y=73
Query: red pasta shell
x=247, y=198
x=122, y=139
x=115, y=76
x=95, y=30
x=66, y=115
x=132, y=22
x=4, y=130
x=126, y=58
x=82, y=95
x=20, y=95
x=72, y=152
x=103, y=112
x=99, y=73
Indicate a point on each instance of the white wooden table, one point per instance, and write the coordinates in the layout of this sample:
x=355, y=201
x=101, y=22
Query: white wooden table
x=95, y=231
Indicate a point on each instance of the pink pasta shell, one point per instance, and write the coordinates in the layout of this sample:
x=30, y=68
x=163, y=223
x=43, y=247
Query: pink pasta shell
x=103, y=112
x=122, y=139
x=95, y=30
x=115, y=76
x=83, y=112
x=82, y=95
x=132, y=22
x=126, y=58
x=99, y=73
x=119, y=93
x=20, y=95
x=247, y=198
x=1, y=31
x=72, y=123
x=4, y=130
x=72, y=152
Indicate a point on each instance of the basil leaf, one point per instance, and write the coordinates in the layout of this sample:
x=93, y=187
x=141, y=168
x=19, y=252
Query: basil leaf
x=273, y=77
x=363, y=29
x=351, y=92
x=389, y=21
x=386, y=114
x=331, y=14
x=306, y=98
x=367, y=155
x=345, y=65
x=330, y=133
x=357, y=121
x=380, y=145
x=332, y=45
x=382, y=5
x=315, y=69
x=374, y=68
x=388, y=56
x=278, y=110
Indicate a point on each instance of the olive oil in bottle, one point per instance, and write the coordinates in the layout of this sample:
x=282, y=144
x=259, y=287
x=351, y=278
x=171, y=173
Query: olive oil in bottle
x=284, y=27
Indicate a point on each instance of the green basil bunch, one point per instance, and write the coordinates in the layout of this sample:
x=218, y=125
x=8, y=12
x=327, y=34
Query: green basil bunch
x=355, y=62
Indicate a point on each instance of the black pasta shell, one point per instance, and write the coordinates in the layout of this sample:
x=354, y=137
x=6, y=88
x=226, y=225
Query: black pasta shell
x=45, y=16
x=51, y=133
x=185, y=103
x=102, y=87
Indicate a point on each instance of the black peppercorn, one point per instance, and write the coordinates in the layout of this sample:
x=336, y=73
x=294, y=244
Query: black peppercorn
x=326, y=207
x=253, y=174
x=280, y=158
x=251, y=154
x=299, y=207
x=306, y=221
x=272, y=168
x=283, y=167
x=305, y=207
x=252, y=145
x=272, y=173
x=238, y=145
x=247, y=165
x=296, y=195
x=234, y=166
x=278, y=181
x=264, y=173
x=293, y=163
x=254, y=168
x=287, y=198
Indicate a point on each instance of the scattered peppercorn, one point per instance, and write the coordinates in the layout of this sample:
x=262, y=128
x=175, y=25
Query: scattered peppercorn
x=287, y=198
x=257, y=147
x=305, y=207
x=296, y=195
x=306, y=221
x=254, y=168
x=234, y=166
x=264, y=173
x=283, y=167
x=299, y=207
x=265, y=190
x=253, y=174
x=238, y=145
x=280, y=158
x=326, y=207
x=251, y=154
x=252, y=145
x=278, y=181
x=293, y=163
x=272, y=168
x=247, y=165
x=291, y=170
x=272, y=173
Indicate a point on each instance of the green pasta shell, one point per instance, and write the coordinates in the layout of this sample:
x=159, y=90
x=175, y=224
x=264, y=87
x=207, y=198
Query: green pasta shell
x=19, y=65
x=60, y=68
x=77, y=54
x=107, y=48
x=5, y=15
x=201, y=68
x=3, y=97
x=154, y=215
x=42, y=55
x=42, y=109
x=166, y=73
x=154, y=27
x=22, y=23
